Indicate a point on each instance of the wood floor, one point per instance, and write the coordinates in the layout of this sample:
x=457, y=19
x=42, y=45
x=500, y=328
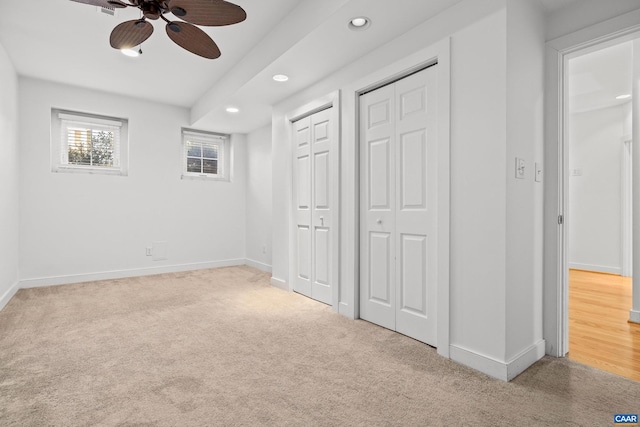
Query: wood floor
x=599, y=332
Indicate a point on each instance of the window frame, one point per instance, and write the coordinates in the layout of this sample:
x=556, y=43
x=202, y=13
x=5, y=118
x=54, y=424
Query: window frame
x=61, y=120
x=211, y=139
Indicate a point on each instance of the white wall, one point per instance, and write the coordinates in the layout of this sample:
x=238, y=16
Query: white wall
x=595, y=227
x=584, y=13
x=73, y=225
x=478, y=186
x=9, y=218
x=483, y=333
x=258, y=205
x=525, y=125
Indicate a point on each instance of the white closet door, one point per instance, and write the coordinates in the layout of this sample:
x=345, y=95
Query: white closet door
x=377, y=207
x=314, y=184
x=302, y=191
x=398, y=206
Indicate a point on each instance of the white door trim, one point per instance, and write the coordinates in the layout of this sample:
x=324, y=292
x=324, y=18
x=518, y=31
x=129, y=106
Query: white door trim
x=331, y=100
x=438, y=53
x=627, y=209
x=558, y=52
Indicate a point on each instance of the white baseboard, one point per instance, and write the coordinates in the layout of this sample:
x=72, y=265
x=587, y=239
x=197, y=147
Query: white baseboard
x=634, y=316
x=279, y=283
x=119, y=274
x=596, y=268
x=259, y=265
x=486, y=365
x=522, y=361
x=505, y=371
x=6, y=297
x=345, y=310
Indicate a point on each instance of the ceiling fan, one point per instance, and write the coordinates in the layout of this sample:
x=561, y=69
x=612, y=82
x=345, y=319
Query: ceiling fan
x=132, y=33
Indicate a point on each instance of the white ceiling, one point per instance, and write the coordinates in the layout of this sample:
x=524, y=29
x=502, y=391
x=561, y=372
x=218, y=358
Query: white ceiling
x=553, y=5
x=68, y=42
x=597, y=78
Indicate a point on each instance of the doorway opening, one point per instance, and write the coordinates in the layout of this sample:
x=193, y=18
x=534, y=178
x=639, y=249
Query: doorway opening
x=598, y=237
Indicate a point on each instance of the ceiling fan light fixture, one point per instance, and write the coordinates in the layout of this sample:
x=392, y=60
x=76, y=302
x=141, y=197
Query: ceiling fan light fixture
x=178, y=11
x=132, y=52
x=281, y=77
x=359, y=23
x=174, y=27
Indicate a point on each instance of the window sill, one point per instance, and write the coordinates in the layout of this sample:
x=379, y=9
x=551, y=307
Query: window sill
x=89, y=170
x=198, y=177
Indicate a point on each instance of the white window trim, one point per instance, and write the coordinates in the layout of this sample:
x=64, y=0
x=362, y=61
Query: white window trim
x=224, y=154
x=59, y=148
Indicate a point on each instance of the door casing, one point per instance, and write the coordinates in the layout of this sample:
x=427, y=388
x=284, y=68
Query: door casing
x=558, y=52
x=440, y=54
x=330, y=101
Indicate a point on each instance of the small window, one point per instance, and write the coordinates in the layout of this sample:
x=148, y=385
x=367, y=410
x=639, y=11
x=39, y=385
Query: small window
x=204, y=155
x=88, y=143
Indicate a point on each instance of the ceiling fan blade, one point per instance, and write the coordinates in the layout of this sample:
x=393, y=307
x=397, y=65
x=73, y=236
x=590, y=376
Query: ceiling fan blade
x=213, y=13
x=130, y=34
x=109, y=4
x=192, y=39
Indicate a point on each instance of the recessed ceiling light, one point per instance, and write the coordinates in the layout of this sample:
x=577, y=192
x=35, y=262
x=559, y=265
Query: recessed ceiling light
x=132, y=52
x=627, y=96
x=280, y=77
x=359, y=23
x=233, y=110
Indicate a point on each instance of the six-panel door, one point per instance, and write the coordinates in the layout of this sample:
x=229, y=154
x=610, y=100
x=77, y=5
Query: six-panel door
x=313, y=184
x=398, y=221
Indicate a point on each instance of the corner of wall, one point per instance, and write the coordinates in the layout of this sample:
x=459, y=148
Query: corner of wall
x=10, y=179
x=280, y=284
x=504, y=371
x=6, y=297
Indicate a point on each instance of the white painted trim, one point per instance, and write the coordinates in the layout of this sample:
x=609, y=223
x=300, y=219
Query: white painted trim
x=596, y=268
x=259, y=265
x=555, y=306
x=439, y=52
x=634, y=316
x=485, y=364
x=627, y=207
x=280, y=284
x=331, y=100
x=525, y=359
x=4, y=299
x=495, y=368
x=120, y=274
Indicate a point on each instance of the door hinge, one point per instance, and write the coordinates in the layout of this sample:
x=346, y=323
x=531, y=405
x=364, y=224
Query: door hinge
x=560, y=220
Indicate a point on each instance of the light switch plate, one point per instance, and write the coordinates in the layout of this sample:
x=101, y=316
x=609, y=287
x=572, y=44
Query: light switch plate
x=520, y=168
x=538, y=172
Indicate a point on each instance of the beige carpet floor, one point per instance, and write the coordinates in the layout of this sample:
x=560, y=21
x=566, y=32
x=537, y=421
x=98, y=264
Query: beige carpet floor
x=222, y=347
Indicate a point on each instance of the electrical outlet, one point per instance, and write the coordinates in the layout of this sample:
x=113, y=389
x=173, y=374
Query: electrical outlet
x=149, y=252
x=520, y=165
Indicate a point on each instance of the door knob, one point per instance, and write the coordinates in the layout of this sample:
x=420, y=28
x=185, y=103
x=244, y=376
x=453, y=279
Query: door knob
x=379, y=221
x=322, y=221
